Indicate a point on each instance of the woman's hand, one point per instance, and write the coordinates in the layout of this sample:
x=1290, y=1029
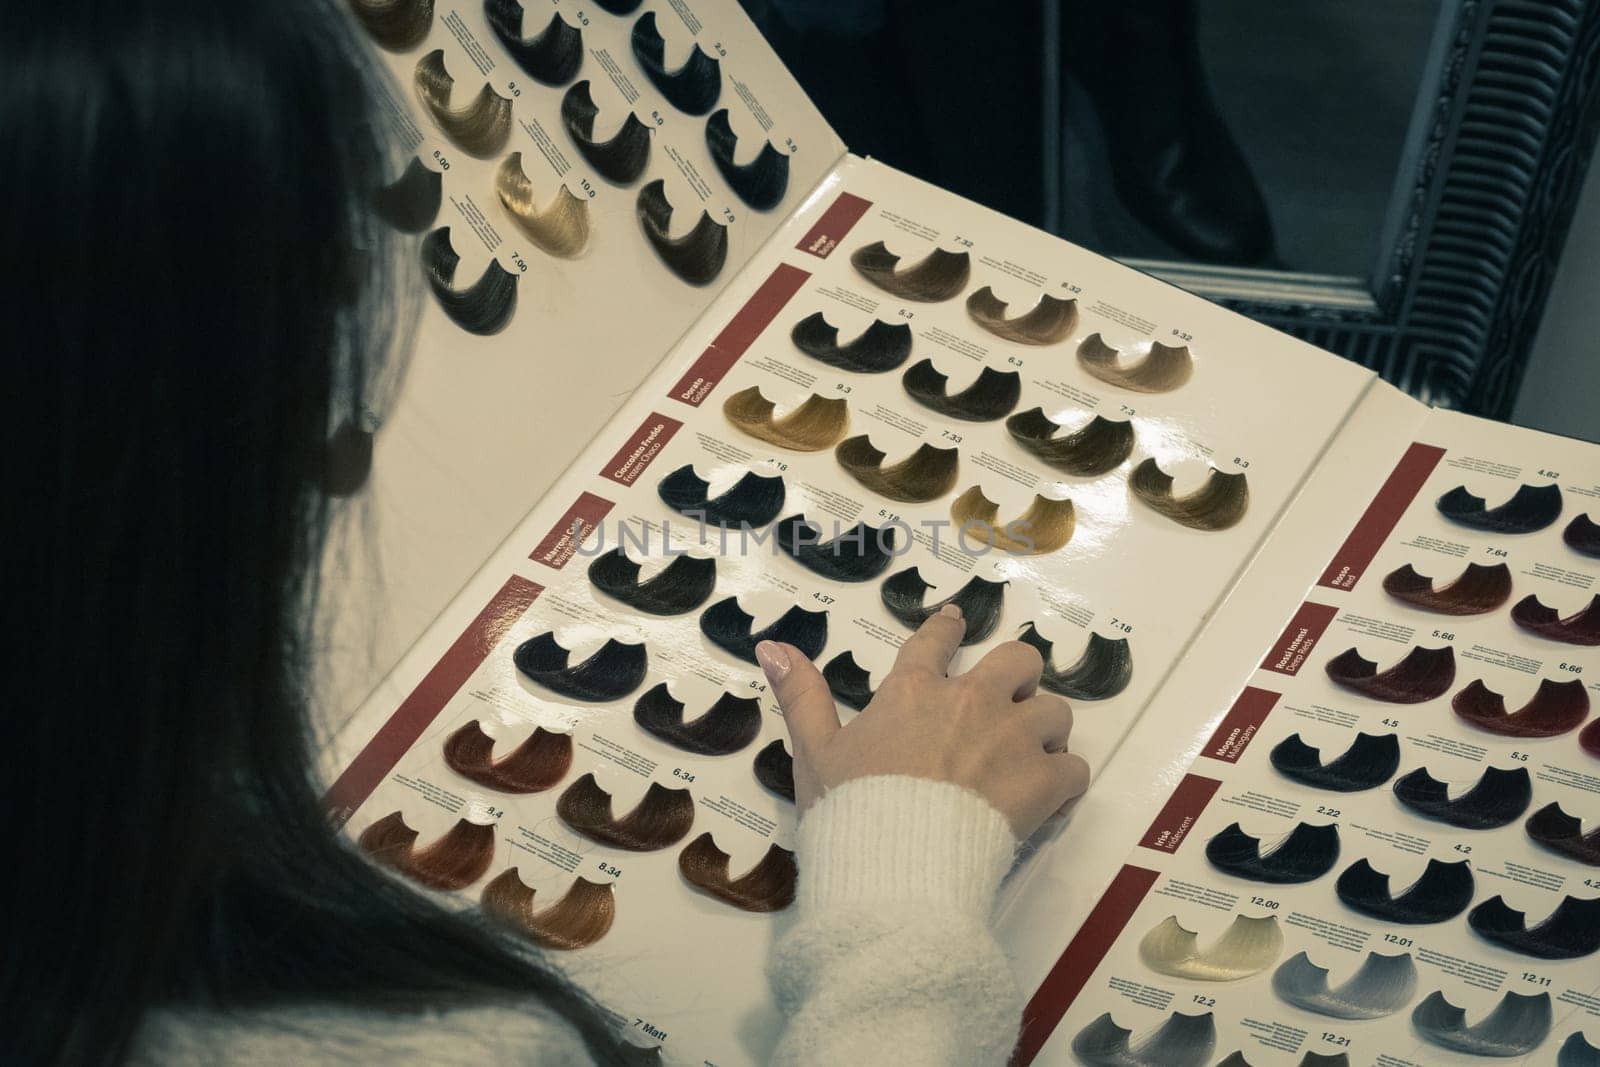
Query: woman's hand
x=989, y=730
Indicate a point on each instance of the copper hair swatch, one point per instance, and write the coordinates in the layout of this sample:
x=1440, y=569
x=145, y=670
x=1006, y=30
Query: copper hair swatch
x=539, y=762
x=1163, y=369
x=480, y=127
x=482, y=308
x=1050, y=320
x=620, y=158
x=1046, y=526
x=927, y=474
x=1368, y=763
x=1381, y=986
x=1582, y=628
x=411, y=202
x=937, y=276
x=697, y=256
x=1519, y=1023
x=762, y=181
x=1424, y=674
x=980, y=601
x=1100, y=446
x=1180, y=1041
x=774, y=769
x=1218, y=504
x=1555, y=708
x=768, y=886
x=581, y=917
x=454, y=861
x=754, y=500
x=1439, y=894
x=818, y=422
x=552, y=56
x=728, y=626
x=859, y=554
x=612, y=672
x=561, y=229
x=1570, y=932
x=848, y=681
x=680, y=586
x=1559, y=832
x=398, y=25
x=1531, y=508
x=1103, y=671
x=1582, y=535
x=1498, y=797
x=692, y=88
x=662, y=817
x=991, y=395
x=730, y=723
x=1577, y=1052
x=881, y=347
x=1477, y=590
x=1247, y=947
x=1304, y=854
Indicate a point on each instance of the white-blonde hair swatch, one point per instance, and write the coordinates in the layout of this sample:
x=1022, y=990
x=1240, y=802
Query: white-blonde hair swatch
x=1247, y=947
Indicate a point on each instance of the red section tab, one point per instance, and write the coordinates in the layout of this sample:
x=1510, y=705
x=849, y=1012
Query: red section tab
x=1241, y=723
x=747, y=324
x=1071, y=972
x=428, y=699
x=568, y=533
x=1402, y=487
x=835, y=222
x=1294, y=645
x=1181, y=813
x=642, y=447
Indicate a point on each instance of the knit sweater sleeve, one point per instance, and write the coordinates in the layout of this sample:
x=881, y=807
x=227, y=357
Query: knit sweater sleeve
x=891, y=958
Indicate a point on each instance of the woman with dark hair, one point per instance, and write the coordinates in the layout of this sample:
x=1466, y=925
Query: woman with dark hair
x=199, y=300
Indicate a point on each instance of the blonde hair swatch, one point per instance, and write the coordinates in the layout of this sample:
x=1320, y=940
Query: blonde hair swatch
x=698, y=255
x=1046, y=323
x=817, y=423
x=581, y=917
x=480, y=128
x=1249, y=946
x=1046, y=526
x=937, y=276
x=662, y=818
x=1096, y=448
x=455, y=861
x=768, y=886
x=927, y=474
x=1217, y=505
x=1162, y=370
x=562, y=229
x=535, y=765
x=397, y=25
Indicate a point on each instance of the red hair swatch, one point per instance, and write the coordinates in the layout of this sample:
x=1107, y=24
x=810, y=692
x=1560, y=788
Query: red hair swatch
x=581, y=917
x=1555, y=708
x=1583, y=535
x=768, y=886
x=1560, y=832
x=532, y=767
x=1479, y=589
x=1424, y=673
x=1580, y=629
x=455, y=861
x=1590, y=739
x=662, y=818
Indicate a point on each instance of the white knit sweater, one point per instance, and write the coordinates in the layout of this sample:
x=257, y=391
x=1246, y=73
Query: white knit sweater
x=891, y=960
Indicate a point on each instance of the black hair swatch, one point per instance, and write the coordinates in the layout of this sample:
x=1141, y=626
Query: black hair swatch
x=1217, y=505
x=937, y=276
x=612, y=672
x=729, y=628
x=859, y=554
x=1424, y=674
x=1050, y=319
x=1577, y=1052
x=1305, y=854
x=927, y=474
x=980, y=601
x=881, y=347
x=621, y=7
x=398, y=25
x=1556, y=707
x=1477, y=590
x=761, y=182
x=694, y=87
x=1103, y=671
x=482, y=308
x=1499, y=797
x=1582, y=535
x=727, y=726
x=1441, y=893
x=1582, y=628
x=620, y=158
x=774, y=769
x=1531, y=508
x=754, y=500
x=991, y=396
x=696, y=257
x=683, y=585
x=1370, y=761
x=1559, y=832
x=1570, y=932
x=1100, y=446
x=848, y=681
x=411, y=202
x=1180, y=1041
x=1517, y=1025
x=552, y=57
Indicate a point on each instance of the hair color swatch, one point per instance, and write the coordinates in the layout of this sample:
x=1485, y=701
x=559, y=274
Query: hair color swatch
x=859, y=554
x=1304, y=854
x=1531, y=508
x=1248, y=946
x=562, y=229
x=1499, y=797
x=1218, y=504
x=1046, y=526
x=1100, y=446
x=537, y=764
x=692, y=88
x=662, y=817
x=980, y=601
x=398, y=25
x=768, y=886
x=991, y=395
x=754, y=500
x=622, y=156
x=1517, y=1025
x=881, y=347
x=697, y=256
x=848, y=681
x=612, y=672
x=1582, y=628
x=1577, y=1052
x=1370, y=761
x=480, y=127
x=1590, y=739
x=1555, y=708
x=411, y=202
x=762, y=181
x=1103, y=671
x=1180, y=1041
x=680, y=586
x=1582, y=535
x=774, y=769
x=1570, y=932
x=1439, y=894
x=1477, y=590
x=620, y=7
x=581, y=917
x=1559, y=832
x=927, y=474
x=454, y=861
x=1161, y=370
x=1050, y=319
x=1424, y=674
x=1381, y=986
x=729, y=725
x=729, y=628
x=482, y=308
x=937, y=276
x=551, y=56
x=818, y=422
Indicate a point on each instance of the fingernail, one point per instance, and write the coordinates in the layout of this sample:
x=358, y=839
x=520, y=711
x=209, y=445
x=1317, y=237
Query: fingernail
x=951, y=611
x=773, y=659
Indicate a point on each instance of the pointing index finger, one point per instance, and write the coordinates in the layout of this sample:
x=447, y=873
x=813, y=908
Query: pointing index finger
x=934, y=643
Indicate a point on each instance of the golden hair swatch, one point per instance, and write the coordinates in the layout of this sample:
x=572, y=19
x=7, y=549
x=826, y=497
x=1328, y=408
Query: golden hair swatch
x=454, y=861
x=562, y=229
x=927, y=474
x=817, y=423
x=1217, y=505
x=661, y=819
x=937, y=276
x=1046, y=323
x=698, y=255
x=1163, y=369
x=397, y=25
x=768, y=886
x=1096, y=448
x=581, y=917
x=620, y=158
x=479, y=128
x=1248, y=946
x=482, y=308
x=1046, y=526
x=535, y=765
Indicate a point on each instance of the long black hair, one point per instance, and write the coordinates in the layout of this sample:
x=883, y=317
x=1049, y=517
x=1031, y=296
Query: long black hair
x=196, y=297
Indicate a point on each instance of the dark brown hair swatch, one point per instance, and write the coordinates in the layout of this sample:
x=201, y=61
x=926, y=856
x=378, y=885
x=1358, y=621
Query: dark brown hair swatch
x=581, y=917
x=1423, y=675
x=1590, y=739
x=1478, y=589
x=818, y=422
x=980, y=601
x=754, y=500
x=1555, y=708
x=1096, y=448
x=1367, y=763
x=1180, y=1041
x=927, y=474
x=562, y=229
x=696, y=257
x=482, y=308
x=662, y=818
x=694, y=87
x=1557, y=831
x=612, y=672
x=859, y=554
x=1442, y=892
x=479, y=128
x=1570, y=932
x=848, y=681
x=680, y=586
x=881, y=347
x=1531, y=508
x=937, y=276
x=537, y=764
x=768, y=886
x=622, y=156
x=1518, y=1024
x=1163, y=369
x=552, y=56
x=398, y=25
x=1582, y=628
x=1583, y=535
x=1045, y=526
x=620, y=7
x=411, y=202
x=991, y=395
x=762, y=181
x=1498, y=798
x=454, y=861
x=1304, y=854
x=727, y=726
x=1217, y=505
x=774, y=769
x=1050, y=320
x=728, y=626
x=1103, y=671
